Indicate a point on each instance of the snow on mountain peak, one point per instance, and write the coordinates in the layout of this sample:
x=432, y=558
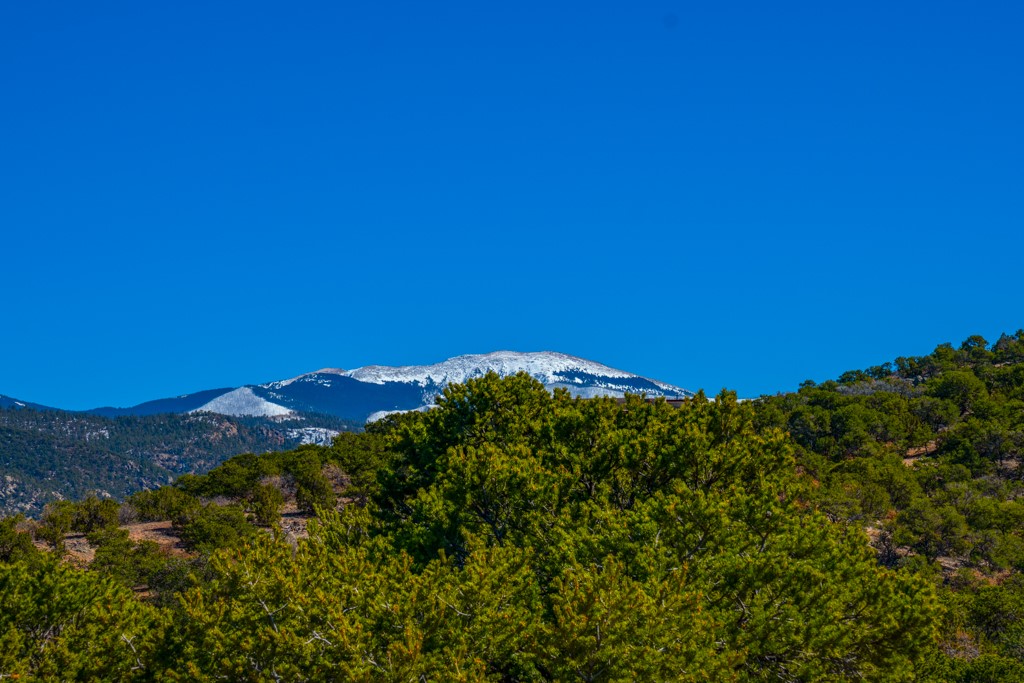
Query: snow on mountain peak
x=242, y=402
x=546, y=366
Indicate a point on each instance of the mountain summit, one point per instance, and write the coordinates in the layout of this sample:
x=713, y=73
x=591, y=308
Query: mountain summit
x=373, y=391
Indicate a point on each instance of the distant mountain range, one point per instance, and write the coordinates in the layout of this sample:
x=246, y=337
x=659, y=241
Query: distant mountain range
x=371, y=392
x=47, y=453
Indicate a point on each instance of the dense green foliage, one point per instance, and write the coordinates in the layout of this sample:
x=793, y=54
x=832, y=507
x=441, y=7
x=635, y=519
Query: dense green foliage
x=515, y=535
x=926, y=454
x=16, y=542
x=45, y=455
x=61, y=624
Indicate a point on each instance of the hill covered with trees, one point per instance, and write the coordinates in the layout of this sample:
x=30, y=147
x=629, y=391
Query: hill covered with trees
x=48, y=455
x=862, y=529
x=925, y=454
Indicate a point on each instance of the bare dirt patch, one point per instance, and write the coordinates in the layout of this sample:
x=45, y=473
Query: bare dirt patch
x=161, y=533
x=916, y=453
x=78, y=550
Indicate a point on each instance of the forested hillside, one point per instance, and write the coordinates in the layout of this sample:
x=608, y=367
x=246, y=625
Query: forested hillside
x=865, y=529
x=925, y=454
x=46, y=455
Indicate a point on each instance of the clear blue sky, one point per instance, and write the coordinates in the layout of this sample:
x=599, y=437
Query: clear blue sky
x=740, y=194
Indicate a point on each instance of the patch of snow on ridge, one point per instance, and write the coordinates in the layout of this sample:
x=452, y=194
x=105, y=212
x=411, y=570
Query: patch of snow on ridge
x=242, y=402
x=381, y=414
x=546, y=366
x=313, y=435
x=586, y=392
x=285, y=382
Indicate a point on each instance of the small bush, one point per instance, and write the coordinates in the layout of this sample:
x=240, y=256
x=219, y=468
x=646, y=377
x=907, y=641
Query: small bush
x=167, y=502
x=93, y=513
x=15, y=543
x=314, y=492
x=265, y=503
x=56, y=523
x=210, y=527
x=118, y=556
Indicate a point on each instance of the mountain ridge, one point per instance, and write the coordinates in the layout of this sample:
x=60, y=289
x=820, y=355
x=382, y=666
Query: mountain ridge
x=372, y=390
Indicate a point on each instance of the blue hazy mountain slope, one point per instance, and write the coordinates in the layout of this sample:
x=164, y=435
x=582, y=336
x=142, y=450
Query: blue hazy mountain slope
x=8, y=402
x=179, y=404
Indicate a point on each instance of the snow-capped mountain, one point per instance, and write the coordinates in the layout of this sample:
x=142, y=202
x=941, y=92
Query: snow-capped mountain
x=547, y=367
x=376, y=390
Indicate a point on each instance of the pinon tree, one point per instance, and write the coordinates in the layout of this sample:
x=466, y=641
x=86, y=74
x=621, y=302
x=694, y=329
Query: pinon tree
x=61, y=624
